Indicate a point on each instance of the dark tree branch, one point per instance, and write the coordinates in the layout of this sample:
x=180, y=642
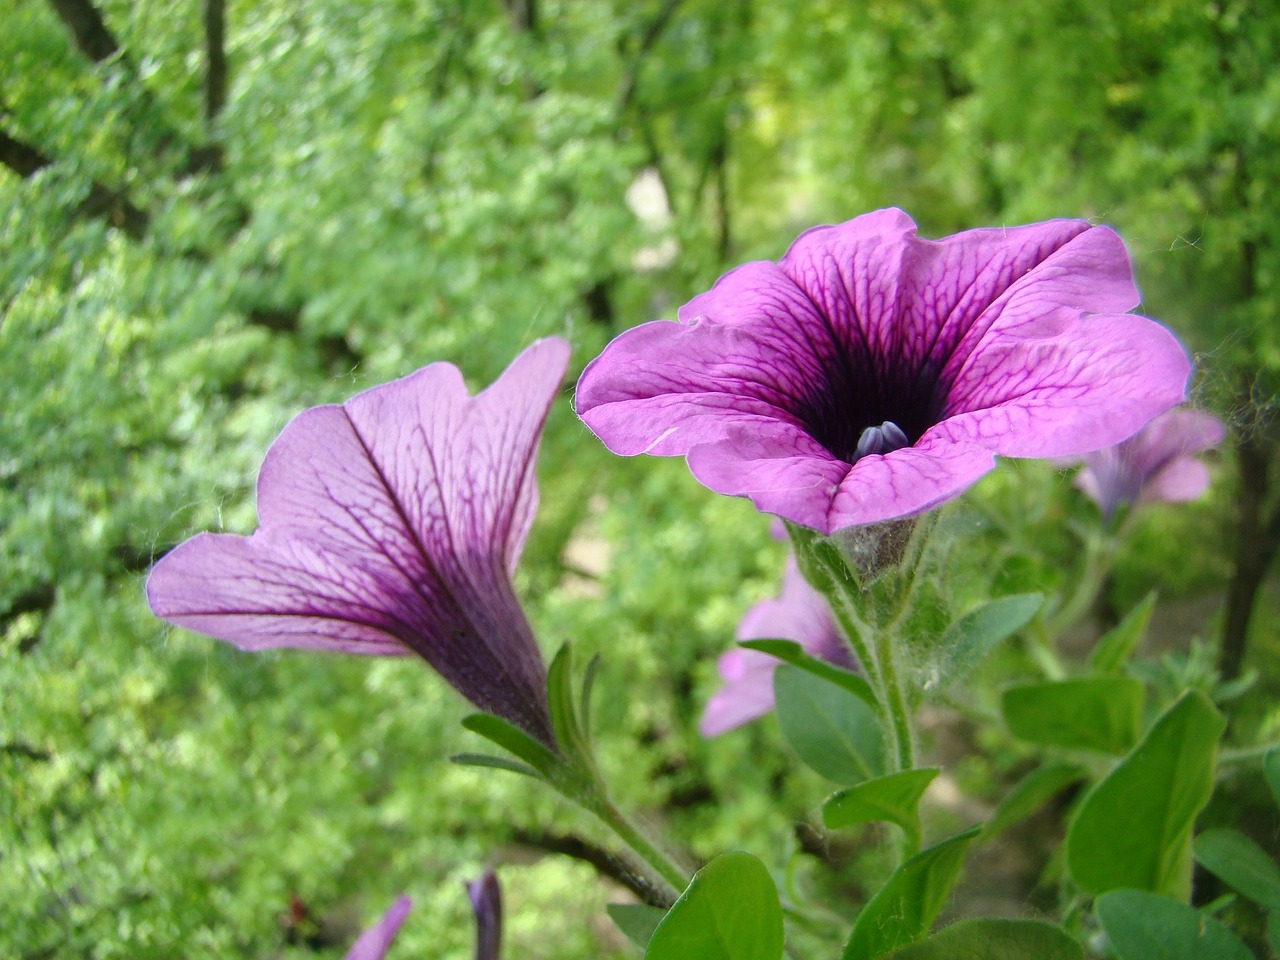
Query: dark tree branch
x=16, y=748
x=209, y=156
x=648, y=39
x=215, y=81
x=101, y=203
x=1256, y=547
x=605, y=863
x=88, y=29
x=720, y=157
x=21, y=158
x=523, y=14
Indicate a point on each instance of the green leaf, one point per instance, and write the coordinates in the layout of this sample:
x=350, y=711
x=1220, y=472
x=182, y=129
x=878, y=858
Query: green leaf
x=1133, y=829
x=895, y=798
x=562, y=705
x=729, y=912
x=515, y=741
x=1090, y=713
x=1030, y=793
x=637, y=921
x=497, y=763
x=1114, y=647
x=1146, y=926
x=584, y=699
x=906, y=906
x=991, y=939
x=973, y=636
x=791, y=652
x=1273, y=932
x=833, y=731
x=1241, y=864
x=1271, y=769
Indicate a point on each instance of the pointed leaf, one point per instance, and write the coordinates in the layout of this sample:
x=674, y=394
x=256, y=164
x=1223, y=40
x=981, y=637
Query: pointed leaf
x=1114, y=647
x=906, y=906
x=562, y=705
x=1273, y=932
x=729, y=912
x=637, y=921
x=791, y=652
x=497, y=763
x=1133, y=829
x=1271, y=768
x=833, y=731
x=1146, y=926
x=973, y=636
x=1090, y=713
x=990, y=939
x=1241, y=864
x=895, y=798
x=1030, y=793
x=584, y=701
x=514, y=740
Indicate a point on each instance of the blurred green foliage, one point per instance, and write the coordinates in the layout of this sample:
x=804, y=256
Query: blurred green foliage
x=192, y=257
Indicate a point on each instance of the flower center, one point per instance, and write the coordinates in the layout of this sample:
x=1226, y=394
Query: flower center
x=883, y=439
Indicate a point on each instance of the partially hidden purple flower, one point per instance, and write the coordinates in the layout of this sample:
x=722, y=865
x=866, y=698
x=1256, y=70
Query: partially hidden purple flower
x=390, y=524
x=486, y=901
x=798, y=613
x=870, y=374
x=1158, y=463
x=374, y=942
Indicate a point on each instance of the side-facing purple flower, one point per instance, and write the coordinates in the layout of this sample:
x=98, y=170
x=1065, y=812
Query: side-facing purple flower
x=798, y=613
x=390, y=524
x=486, y=901
x=374, y=942
x=870, y=374
x=1157, y=463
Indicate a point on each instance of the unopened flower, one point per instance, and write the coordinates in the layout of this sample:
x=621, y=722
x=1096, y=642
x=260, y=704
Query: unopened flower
x=374, y=942
x=390, y=524
x=870, y=374
x=798, y=613
x=1158, y=463
x=486, y=901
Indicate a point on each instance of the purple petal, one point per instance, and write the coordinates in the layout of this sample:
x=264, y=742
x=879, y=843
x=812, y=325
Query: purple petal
x=1090, y=386
x=1178, y=482
x=990, y=342
x=390, y=524
x=374, y=942
x=747, y=692
x=798, y=613
x=486, y=901
x=1156, y=464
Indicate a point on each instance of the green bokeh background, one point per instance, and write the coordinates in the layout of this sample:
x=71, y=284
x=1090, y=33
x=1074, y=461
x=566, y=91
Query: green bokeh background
x=392, y=183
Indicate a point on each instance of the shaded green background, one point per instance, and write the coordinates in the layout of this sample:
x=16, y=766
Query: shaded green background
x=203, y=234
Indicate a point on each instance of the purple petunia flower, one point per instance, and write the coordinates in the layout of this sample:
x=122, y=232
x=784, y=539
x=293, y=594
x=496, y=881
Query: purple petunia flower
x=1158, y=463
x=798, y=613
x=486, y=901
x=390, y=525
x=374, y=942
x=870, y=374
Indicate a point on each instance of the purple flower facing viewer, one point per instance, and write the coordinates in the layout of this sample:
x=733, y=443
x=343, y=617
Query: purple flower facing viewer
x=486, y=901
x=374, y=942
x=870, y=374
x=390, y=525
x=798, y=613
x=1158, y=463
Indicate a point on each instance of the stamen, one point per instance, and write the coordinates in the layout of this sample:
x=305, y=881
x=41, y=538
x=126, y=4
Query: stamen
x=883, y=439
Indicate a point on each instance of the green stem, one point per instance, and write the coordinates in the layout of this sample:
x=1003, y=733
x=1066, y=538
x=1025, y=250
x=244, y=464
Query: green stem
x=1099, y=551
x=673, y=879
x=1242, y=755
x=895, y=702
